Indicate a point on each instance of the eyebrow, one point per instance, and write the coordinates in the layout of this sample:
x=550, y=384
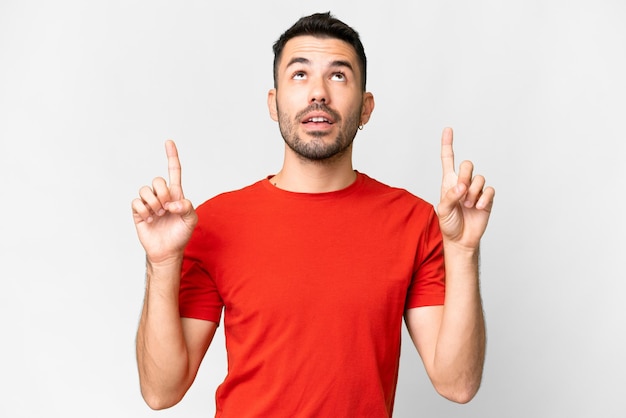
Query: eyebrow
x=306, y=61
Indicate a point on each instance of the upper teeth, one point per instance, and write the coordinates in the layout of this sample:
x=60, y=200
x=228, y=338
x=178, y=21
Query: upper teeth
x=318, y=119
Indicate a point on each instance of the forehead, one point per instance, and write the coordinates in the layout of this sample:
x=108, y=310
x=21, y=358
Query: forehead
x=319, y=50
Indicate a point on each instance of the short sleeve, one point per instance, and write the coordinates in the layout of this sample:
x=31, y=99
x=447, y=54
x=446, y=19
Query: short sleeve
x=428, y=284
x=198, y=295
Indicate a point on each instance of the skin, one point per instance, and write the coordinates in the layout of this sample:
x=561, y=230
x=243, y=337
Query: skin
x=316, y=72
x=317, y=78
x=169, y=348
x=451, y=338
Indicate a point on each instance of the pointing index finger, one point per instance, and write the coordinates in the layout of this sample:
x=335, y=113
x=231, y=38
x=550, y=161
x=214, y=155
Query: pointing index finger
x=447, y=154
x=173, y=169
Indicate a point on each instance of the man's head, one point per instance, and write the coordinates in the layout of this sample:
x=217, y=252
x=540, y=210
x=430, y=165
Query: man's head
x=322, y=25
x=319, y=99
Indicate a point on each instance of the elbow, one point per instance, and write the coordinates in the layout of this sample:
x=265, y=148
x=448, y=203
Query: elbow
x=460, y=392
x=157, y=401
x=160, y=391
x=459, y=396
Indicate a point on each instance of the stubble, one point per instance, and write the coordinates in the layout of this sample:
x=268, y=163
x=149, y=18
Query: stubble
x=317, y=148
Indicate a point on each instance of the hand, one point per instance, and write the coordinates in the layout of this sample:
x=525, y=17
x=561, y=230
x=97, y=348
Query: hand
x=465, y=203
x=163, y=217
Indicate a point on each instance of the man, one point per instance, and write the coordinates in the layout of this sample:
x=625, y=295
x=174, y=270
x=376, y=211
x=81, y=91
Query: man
x=315, y=267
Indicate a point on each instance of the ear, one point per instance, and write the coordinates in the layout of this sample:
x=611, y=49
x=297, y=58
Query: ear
x=367, y=108
x=271, y=104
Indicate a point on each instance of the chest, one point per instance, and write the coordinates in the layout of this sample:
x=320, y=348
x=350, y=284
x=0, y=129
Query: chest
x=310, y=262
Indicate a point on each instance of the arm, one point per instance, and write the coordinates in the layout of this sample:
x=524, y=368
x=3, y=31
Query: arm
x=451, y=338
x=169, y=349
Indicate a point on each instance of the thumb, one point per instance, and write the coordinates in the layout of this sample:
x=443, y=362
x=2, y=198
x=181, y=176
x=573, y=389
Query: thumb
x=184, y=208
x=450, y=200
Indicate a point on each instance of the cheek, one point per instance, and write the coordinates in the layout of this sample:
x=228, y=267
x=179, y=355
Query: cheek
x=354, y=108
x=293, y=93
x=286, y=104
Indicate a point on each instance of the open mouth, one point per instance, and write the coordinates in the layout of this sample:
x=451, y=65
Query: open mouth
x=317, y=119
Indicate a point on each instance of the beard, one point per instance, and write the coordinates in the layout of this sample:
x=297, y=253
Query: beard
x=317, y=148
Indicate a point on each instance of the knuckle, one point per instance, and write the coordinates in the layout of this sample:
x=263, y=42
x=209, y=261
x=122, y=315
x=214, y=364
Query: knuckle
x=139, y=207
x=479, y=179
x=136, y=204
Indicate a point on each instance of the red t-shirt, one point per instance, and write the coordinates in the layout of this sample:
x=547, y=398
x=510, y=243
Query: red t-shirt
x=313, y=289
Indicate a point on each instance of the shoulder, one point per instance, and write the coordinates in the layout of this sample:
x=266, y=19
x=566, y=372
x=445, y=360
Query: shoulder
x=233, y=209
x=233, y=198
x=391, y=194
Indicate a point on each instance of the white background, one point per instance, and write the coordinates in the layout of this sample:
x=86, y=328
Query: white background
x=89, y=91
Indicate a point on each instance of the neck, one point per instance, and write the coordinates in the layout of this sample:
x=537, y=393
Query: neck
x=307, y=176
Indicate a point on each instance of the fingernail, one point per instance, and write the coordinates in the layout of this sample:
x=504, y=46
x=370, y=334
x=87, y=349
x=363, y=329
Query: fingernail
x=161, y=212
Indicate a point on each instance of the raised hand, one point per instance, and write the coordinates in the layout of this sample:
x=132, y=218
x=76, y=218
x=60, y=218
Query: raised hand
x=465, y=203
x=164, y=219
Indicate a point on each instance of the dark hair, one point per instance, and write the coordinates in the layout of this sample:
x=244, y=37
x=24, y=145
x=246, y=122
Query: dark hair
x=322, y=25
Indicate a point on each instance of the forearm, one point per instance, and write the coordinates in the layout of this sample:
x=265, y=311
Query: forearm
x=162, y=357
x=455, y=344
x=460, y=351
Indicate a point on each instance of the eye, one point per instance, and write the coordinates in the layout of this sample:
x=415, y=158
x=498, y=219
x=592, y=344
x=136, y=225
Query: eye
x=299, y=75
x=338, y=76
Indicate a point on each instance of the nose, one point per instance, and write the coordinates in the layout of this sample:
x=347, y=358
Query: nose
x=319, y=92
